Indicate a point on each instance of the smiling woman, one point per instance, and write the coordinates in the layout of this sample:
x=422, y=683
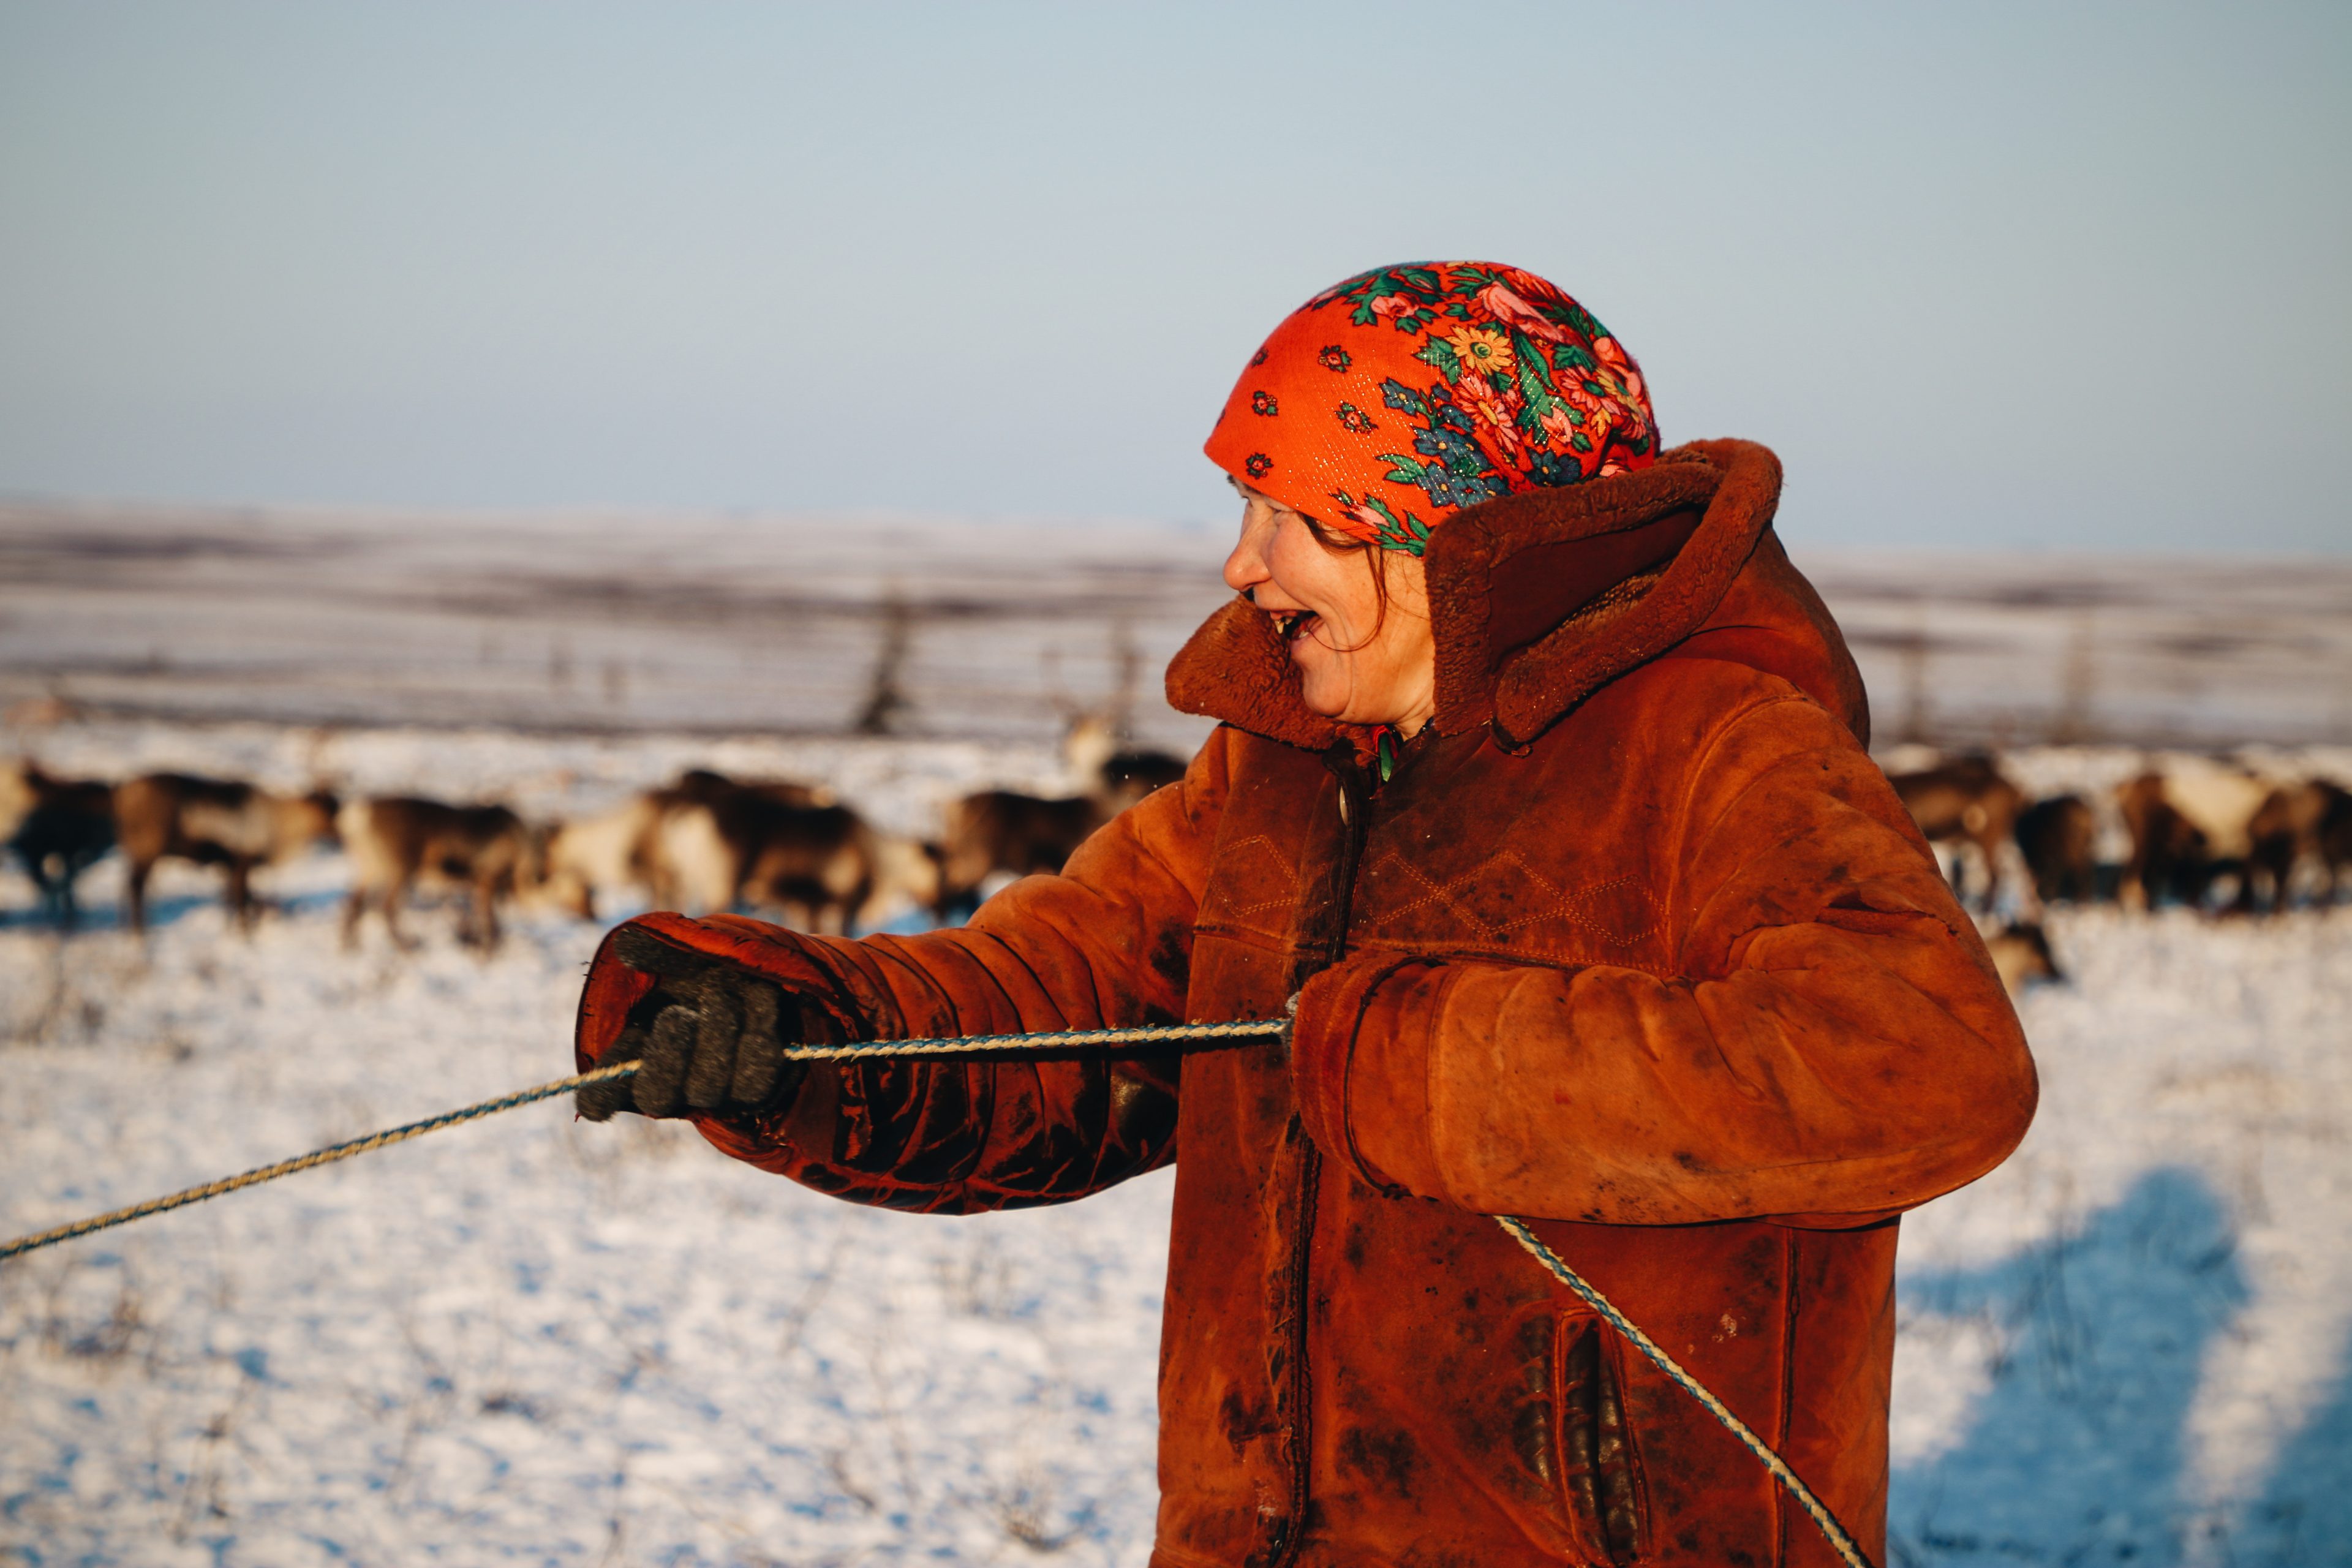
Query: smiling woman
x=1539, y=796
x=1331, y=596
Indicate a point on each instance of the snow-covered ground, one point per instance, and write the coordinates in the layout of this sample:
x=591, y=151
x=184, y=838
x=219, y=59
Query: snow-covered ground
x=542, y=1341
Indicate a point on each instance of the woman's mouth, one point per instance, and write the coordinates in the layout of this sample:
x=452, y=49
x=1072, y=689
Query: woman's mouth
x=1293, y=625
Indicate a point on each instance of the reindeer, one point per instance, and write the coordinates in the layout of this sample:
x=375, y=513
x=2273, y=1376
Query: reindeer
x=394, y=842
x=1130, y=773
x=603, y=854
x=56, y=827
x=1966, y=801
x=2334, y=838
x=909, y=873
x=2192, y=823
x=212, y=822
x=815, y=862
x=698, y=845
x=2290, y=824
x=1000, y=833
x=2059, y=839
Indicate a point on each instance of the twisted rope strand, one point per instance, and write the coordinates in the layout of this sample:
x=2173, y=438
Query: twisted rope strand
x=326, y=1156
x=966, y=1045
x=1815, y=1508
x=961, y=1044
x=1065, y=1039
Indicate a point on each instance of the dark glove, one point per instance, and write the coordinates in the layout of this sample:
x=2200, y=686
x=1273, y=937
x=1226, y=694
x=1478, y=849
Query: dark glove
x=711, y=1035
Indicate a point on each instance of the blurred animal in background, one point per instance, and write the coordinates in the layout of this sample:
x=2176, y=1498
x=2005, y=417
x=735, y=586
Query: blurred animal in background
x=1103, y=765
x=212, y=822
x=812, y=864
x=2167, y=853
x=2020, y=955
x=398, y=843
x=2192, y=823
x=2291, y=827
x=2059, y=839
x=1965, y=802
x=996, y=836
x=56, y=827
x=711, y=843
x=598, y=856
x=705, y=828
x=1131, y=775
x=909, y=875
x=2335, y=838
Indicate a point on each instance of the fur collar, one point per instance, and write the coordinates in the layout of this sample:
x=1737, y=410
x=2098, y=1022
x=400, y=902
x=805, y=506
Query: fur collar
x=1537, y=600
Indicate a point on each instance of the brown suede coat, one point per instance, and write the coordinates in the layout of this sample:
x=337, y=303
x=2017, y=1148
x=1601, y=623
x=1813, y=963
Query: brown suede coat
x=1636, y=943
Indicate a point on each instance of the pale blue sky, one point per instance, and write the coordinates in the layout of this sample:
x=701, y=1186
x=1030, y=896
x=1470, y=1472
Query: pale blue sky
x=2027, y=274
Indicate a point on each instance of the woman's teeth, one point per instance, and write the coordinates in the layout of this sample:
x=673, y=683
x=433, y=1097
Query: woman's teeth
x=1290, y=627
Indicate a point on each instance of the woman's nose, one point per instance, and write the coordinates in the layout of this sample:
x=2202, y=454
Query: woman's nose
x=1245, y=568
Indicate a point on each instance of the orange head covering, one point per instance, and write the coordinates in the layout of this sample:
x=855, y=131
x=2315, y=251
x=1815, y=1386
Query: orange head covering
x=1384, y=405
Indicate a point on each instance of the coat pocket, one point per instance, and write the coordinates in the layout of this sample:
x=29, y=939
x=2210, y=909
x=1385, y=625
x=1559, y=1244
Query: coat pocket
x=1599, y=1464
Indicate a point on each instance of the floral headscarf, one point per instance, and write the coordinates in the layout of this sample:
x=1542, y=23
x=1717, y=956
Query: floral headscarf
x=1384, y=405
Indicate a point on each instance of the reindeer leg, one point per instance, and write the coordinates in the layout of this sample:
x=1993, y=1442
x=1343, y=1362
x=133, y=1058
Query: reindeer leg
x=354, y=906
x=392, y=897
x=39, y=873
x=486, y=917
x=134, y=894
x=240, y=893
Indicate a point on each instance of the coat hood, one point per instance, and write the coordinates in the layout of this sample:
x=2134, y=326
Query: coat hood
x=1539, y=599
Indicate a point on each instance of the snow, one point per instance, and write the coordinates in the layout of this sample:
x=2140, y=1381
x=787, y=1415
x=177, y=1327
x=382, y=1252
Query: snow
x=2129, y=1341
x=538, y=1340
x=533, y=1340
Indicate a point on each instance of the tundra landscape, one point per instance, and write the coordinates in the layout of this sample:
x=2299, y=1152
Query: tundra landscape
x=382, y=783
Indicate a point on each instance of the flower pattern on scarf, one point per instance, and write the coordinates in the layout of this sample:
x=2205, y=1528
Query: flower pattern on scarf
x=1494, y=382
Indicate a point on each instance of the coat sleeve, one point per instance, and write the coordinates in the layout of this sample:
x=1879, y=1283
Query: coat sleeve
x=1829, y=1043
x=1106, y=943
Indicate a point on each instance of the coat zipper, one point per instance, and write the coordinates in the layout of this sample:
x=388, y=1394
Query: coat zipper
x=1353, y=825
x=1301, y=1385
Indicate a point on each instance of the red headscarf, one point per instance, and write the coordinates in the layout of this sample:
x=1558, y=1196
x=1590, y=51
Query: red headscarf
x=1384, y=405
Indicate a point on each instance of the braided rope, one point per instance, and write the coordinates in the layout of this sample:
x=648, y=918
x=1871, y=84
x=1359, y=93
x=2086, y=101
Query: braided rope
x=1815, y=1508
x=326, y=1156
x=1065, y=1039
x=954, y=1045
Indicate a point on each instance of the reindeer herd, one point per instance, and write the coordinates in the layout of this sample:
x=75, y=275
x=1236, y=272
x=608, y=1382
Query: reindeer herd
x=2202, y=833
x=701, y=843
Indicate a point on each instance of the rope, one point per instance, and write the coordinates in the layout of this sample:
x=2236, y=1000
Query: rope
x=1065, y=1039
x=961, y=1044
x=1815, y=1508
x=966, y=1045
x=326, y=1156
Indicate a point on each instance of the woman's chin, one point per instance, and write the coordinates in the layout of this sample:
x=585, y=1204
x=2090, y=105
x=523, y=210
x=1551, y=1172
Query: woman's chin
x=1326, y=696
x=1327, y=687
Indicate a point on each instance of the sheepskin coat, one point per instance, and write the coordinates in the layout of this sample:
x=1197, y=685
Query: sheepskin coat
x=1636, y=942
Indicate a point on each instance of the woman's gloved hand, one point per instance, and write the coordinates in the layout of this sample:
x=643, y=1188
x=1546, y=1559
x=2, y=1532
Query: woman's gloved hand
x=711, y=1035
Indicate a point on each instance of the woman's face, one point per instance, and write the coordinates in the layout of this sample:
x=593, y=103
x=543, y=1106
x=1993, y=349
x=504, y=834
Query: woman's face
x=1325, y=608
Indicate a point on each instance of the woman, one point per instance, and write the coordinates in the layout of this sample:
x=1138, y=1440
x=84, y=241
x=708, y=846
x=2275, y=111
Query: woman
x=1540, y=790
